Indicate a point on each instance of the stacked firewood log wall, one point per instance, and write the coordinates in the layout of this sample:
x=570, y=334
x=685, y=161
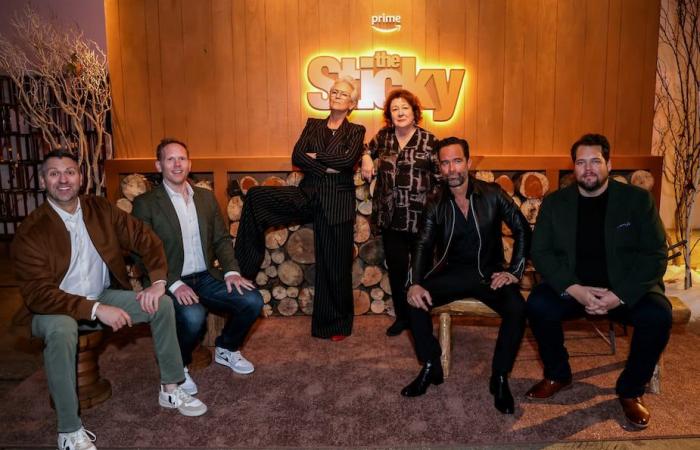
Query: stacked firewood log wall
x=286, y=277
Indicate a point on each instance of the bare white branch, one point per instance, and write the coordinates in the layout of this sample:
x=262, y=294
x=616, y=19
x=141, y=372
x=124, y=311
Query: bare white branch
x=677, y=110
x=61, y=76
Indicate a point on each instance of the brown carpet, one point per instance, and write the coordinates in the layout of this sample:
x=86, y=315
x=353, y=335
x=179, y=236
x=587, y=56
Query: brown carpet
x=307, y=392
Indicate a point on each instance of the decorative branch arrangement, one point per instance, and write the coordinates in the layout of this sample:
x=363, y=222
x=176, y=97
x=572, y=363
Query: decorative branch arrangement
x=677, y=106
x=63, y=88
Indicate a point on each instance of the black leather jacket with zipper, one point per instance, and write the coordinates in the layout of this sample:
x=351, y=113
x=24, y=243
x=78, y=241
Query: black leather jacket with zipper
x=489, y=206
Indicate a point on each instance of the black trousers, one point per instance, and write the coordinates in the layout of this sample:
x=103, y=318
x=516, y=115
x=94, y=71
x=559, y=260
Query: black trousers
x=457, y=282
x=397, y=251
x=266, y=207
x=650, y=317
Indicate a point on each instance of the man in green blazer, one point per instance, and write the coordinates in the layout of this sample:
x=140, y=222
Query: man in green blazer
x=194, y=235
x=600, y=248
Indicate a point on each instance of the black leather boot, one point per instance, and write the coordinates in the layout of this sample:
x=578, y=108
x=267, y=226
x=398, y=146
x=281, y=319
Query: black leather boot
x=502, y=398
x=431, y=373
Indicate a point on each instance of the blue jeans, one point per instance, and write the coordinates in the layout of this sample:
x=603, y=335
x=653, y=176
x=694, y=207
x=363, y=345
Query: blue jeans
x=243, y=310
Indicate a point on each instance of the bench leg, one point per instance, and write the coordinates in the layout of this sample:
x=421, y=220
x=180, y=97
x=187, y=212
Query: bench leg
x=611, y=337
x=445, y=342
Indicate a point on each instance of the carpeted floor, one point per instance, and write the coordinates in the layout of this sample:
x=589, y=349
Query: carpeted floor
x=310, y=393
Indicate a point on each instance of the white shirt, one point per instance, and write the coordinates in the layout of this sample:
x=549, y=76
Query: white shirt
x=191, y=238
x=87, y=273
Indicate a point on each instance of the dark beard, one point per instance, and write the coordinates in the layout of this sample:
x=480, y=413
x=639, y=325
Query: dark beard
x=592, y=187
x=456, y=182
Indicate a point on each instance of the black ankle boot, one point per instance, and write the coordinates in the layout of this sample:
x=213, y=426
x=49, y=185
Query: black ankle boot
x=431, y=373
x=397, y=327
x=502, y=398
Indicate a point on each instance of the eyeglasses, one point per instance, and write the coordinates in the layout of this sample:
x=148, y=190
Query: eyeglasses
x=339, y=94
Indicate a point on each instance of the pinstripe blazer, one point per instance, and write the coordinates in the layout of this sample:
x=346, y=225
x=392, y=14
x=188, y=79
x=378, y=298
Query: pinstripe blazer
x=336, y=191
x=156, y=209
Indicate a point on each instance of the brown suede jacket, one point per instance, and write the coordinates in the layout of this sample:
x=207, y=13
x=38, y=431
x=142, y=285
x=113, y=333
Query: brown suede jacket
x=41, y=254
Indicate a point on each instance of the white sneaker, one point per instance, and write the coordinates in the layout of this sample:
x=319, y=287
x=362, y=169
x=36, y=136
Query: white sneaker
x=81, y=439
x=182, y=401
x=189, y=385
x=234, y=360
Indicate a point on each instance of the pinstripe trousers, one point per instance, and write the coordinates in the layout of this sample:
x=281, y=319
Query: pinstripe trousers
x=266, y=207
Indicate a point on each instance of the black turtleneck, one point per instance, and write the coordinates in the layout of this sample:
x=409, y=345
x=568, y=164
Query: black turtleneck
x=591, y=260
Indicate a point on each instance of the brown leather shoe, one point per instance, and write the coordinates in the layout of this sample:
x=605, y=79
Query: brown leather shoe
x=546, y=388
x=636, y=413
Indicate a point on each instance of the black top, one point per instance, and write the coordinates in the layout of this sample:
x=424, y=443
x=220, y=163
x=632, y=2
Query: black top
x=328, y=134
x=591, y=262
x=464, y=247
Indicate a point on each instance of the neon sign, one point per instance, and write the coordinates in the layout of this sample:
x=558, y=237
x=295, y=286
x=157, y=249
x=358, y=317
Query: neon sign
x=438, y=89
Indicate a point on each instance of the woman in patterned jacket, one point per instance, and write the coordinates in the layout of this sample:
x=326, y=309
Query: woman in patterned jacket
x=407, y=170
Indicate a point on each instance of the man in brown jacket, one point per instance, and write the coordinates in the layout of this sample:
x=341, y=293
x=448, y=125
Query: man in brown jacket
x=68, y=257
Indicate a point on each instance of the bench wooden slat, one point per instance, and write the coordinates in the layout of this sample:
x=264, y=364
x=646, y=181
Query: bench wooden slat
x=681, y=313
x=466, y=307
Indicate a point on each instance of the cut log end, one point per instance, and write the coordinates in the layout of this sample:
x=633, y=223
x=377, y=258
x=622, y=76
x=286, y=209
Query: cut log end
x=276, y=238
x=642, y=179
x=134, y=185
x=362, y=229
x=234, y=208
x=287, y=307
x=290, y=273
x=300, y=246
x=533, y=185
x=361, y=301
x=372, y=275
x=125, y=205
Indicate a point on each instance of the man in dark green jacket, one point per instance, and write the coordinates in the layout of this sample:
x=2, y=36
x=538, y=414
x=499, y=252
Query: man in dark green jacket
x=600, y=248
x=188, y=221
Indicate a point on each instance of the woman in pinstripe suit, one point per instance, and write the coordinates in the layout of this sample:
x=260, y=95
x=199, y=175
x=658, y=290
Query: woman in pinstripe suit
x=326, y=152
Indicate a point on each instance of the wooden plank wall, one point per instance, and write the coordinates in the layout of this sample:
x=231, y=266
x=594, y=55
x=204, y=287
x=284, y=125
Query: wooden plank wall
x=227, y=76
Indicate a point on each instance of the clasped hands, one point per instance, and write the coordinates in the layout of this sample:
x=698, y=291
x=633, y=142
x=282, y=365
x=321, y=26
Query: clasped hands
x=418, y=297
x=596, y=300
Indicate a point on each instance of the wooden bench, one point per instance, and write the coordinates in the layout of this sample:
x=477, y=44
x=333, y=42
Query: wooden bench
x=472, y=307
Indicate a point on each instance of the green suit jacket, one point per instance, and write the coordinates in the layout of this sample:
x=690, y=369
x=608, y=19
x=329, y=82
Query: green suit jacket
x=635, y=241
x=157, y=210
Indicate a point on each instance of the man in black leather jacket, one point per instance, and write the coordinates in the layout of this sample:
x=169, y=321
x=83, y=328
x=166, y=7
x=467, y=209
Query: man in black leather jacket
x=459, y=254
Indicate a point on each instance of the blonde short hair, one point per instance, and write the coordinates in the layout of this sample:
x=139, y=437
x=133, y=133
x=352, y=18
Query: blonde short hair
x=354, y=93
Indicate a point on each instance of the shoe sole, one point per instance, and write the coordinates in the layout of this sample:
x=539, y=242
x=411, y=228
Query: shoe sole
x=565, y=388
x=636, y=426
x=223, y=362
x=187, y=413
